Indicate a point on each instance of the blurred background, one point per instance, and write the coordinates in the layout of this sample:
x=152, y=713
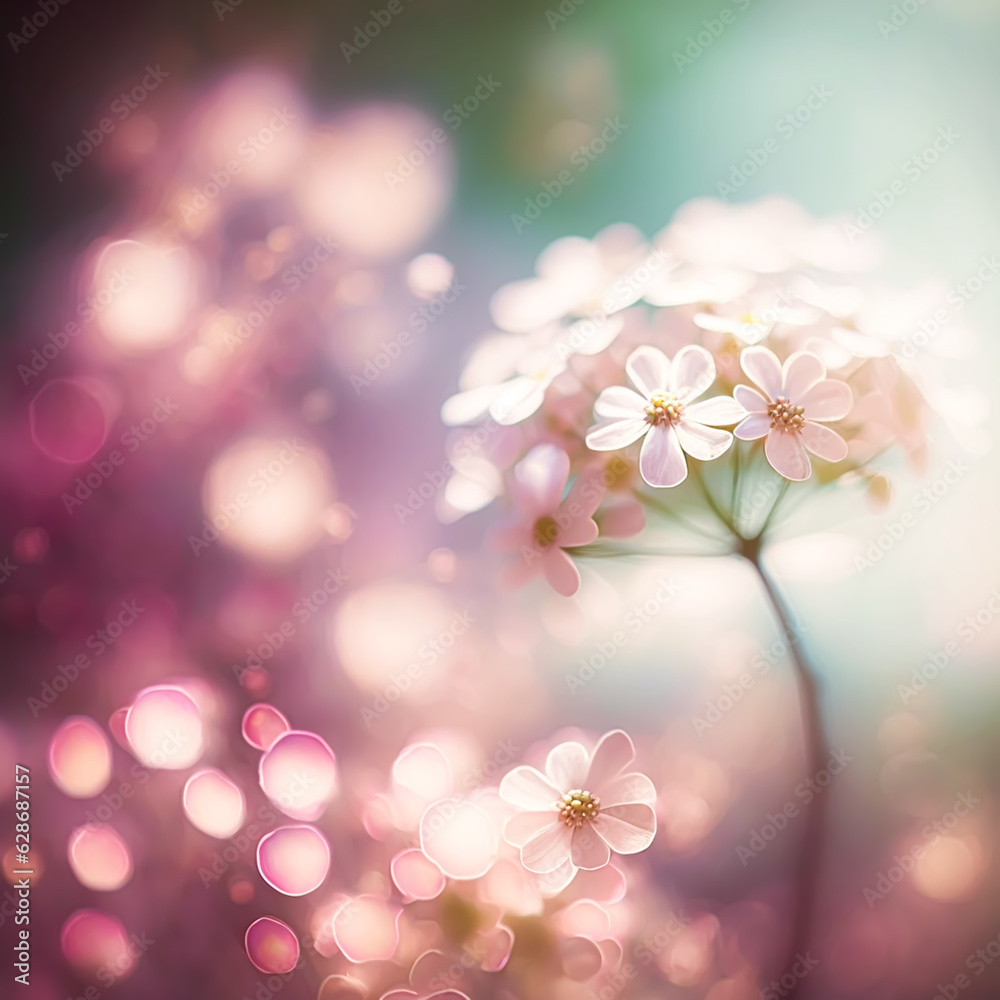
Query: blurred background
x=169, y=169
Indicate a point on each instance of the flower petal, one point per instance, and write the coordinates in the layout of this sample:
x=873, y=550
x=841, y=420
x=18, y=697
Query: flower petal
x=497, y=943
x=718, y=411
x=561, y=572
x=623, y=520
x=701, y=442
x=627, y=828
x=552, y=883
x=692, y=372
x=468, y=407
x=800, y=373
x=527, y=788
x=823, y=442
x=521, y=827
x=619, y=401
x=787, y=456
x=611, y=756
x=581, y=529
x=588, y=851
x=518, y=399
x=753, y=427
x=566, y=766
x=828, y=400
x=661, y=460
x=762, y=367
x=541, y=478
x=750, y=399
x=616, y=434
x=649, y=370
x=625, y=789
x=548, y=850
x=581, y=958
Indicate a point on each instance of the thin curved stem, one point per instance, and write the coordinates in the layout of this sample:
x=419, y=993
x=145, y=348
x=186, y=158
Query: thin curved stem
x=817, y=754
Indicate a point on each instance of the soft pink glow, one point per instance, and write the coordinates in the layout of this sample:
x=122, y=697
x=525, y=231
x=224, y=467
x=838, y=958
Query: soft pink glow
x=214, y=804
x=144, y=293
x=96, y=945
x=378, y=631
x=80, y=758
x=366, y=928
x=100, y=859
x=262, y=725
x=459, y=838
x=299, y=774
x=347, y=190
x=272, y=946
x=68, y=422
x=416, y=876
x=251, y=130
x=294, y=859
x=164, y=728
x=267, y=497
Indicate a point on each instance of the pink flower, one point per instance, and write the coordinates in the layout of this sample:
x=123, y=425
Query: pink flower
x=584, y=807
x=664, y=412
x=547, y=526
x=794, y=398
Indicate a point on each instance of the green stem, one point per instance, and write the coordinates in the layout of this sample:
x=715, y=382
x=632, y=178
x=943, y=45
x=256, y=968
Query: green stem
x=810, y=858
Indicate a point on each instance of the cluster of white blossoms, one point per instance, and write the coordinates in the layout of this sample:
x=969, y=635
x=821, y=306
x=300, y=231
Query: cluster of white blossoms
x=737, y=323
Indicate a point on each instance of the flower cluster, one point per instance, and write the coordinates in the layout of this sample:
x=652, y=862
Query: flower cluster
x=448, y=872
x=810, y=373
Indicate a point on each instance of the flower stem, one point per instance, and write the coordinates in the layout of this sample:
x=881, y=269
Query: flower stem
x=817, y=753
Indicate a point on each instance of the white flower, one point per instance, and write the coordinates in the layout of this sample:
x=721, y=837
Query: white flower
x=793, y=398
x=663, y=410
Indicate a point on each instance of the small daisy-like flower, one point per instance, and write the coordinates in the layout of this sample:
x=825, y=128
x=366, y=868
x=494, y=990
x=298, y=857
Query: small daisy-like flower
x=582, y=808
x=797, y=399
x=548, y=524
x=664, y=412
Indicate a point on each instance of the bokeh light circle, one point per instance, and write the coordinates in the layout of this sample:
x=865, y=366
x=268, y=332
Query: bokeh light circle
x=96, y=945
x=347, y=188
x=79, y=758
x=214, y=804
x=266, y=497
x=262, y=725
x=299, y=774
x=100, y=859
x=164, y=728
x=67, y=421
x=272, y=946
x=366, y=928
x=378, y=631
x=142, y=293
x=294, y=860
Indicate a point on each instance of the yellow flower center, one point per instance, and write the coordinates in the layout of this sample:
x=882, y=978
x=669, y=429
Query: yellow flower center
x=786, y=417
x=663, y=408
x=577, y=807
x=545, y=531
